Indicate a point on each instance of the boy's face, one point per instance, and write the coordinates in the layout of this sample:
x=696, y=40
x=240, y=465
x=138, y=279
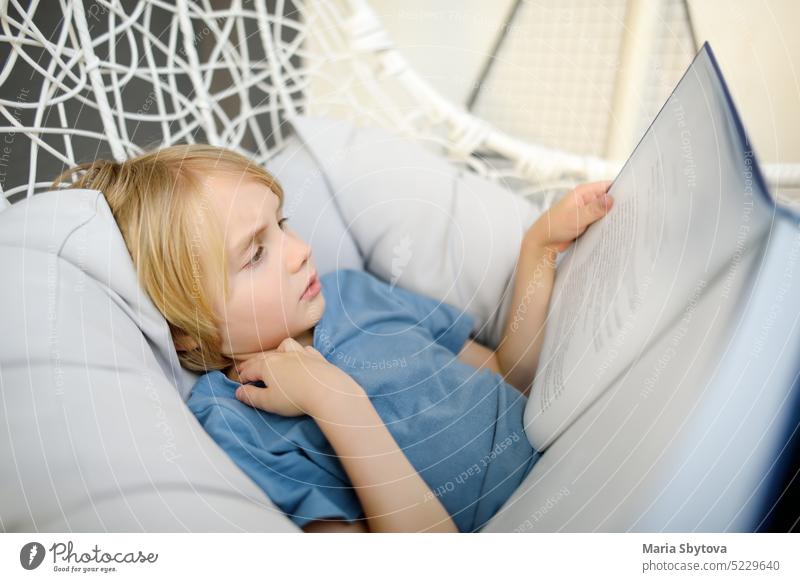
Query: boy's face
x=269, y=269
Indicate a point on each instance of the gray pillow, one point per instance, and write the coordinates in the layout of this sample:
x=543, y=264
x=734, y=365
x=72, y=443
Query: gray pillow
x=99, y=438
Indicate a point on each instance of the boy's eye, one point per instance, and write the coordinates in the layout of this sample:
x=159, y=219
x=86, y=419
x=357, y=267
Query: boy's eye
x=260, y=249
x=257, y=256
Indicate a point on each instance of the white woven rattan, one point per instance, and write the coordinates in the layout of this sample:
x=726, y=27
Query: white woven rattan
x=109, y=77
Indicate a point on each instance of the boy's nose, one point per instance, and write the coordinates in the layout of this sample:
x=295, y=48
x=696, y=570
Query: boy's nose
x=299, y=255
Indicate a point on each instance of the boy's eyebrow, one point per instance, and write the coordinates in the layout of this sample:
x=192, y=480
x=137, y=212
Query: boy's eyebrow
x=243, y=245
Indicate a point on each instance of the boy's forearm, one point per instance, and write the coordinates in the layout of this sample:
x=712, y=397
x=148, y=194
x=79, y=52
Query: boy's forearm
x=518, y=350
x=393, y=495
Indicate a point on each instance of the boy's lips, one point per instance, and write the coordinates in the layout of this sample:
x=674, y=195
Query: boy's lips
x=312, y=288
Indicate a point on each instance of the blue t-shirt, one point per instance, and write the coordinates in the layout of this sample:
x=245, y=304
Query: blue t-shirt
x=460, y=428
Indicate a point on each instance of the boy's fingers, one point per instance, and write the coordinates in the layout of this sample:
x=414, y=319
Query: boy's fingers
x=313, y=351
x=587, y=193
x=249, y=370
x=585, y=216
x=244, y=373
x=290, y=345
x=584, y=195
x=600, y=187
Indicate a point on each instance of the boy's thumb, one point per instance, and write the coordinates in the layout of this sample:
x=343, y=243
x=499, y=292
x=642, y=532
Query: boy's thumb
x=289, y=345
x=604, y=203
x=594, y=210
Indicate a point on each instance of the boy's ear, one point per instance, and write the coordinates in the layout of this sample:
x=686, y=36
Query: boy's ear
x=184, y=343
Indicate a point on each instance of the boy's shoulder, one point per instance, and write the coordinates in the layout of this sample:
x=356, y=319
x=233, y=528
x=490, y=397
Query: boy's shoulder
x=210, y=389
x=213, y=402
x=346, y=274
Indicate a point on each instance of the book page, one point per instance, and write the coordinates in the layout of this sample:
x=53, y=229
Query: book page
x=688, y=202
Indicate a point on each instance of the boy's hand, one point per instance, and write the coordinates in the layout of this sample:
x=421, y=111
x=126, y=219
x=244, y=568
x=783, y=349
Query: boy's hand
x=296, y=379
x=566, y=220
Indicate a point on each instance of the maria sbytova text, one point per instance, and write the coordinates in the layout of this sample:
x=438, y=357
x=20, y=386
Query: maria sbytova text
x=683, y=549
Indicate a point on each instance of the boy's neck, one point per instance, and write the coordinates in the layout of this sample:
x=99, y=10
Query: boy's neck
x=306, y=338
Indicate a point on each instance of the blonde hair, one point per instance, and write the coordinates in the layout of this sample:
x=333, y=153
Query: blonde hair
x=155, y=198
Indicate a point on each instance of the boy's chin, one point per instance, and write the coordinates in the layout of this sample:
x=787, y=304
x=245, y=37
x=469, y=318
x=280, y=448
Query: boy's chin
x=316, y=308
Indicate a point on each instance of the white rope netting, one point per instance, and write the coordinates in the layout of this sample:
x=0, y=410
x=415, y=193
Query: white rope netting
x=81, y=80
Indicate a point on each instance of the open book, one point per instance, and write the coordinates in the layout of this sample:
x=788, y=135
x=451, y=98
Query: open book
x=691, y=210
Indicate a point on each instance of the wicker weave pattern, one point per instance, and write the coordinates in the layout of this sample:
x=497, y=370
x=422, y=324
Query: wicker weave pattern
x=112, y=77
